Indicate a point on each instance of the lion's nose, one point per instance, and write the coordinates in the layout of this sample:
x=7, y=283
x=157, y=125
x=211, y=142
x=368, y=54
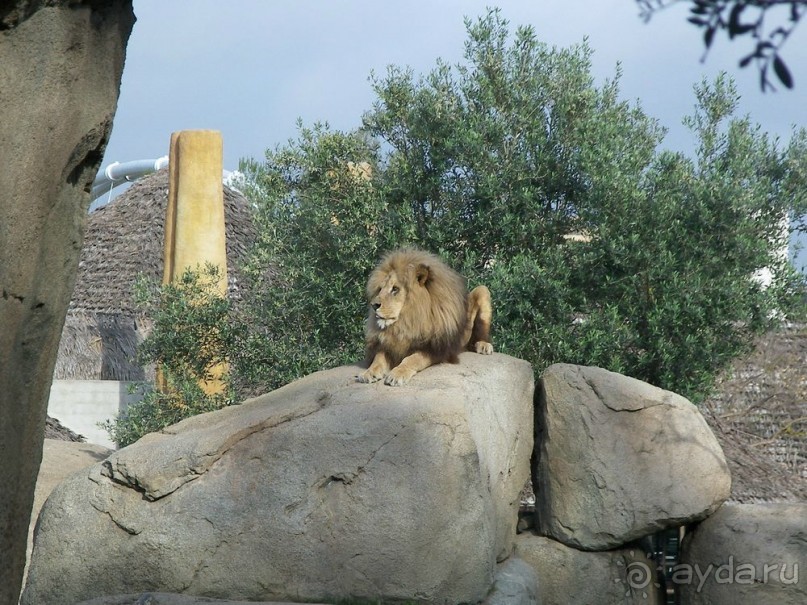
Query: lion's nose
x=376, y=306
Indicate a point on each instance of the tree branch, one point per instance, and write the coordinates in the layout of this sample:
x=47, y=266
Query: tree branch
x=732, y=17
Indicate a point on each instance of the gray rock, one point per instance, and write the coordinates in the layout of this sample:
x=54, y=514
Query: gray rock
x=618, y=459
x=567, y=576
x=325, y=488
x=162, y=598
x=60, y=459
x=746, y=554
x=515, y=583
x=60, y=68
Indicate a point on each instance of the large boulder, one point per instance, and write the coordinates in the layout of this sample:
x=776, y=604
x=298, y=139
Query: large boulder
x=60, y=459
x=567, y=576
x=323, y=489
x=746, y=554
x=161, y=598
x=60, y=67
x=618, y=459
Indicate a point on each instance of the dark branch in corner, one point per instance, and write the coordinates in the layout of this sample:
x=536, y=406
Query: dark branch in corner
x=750, y=18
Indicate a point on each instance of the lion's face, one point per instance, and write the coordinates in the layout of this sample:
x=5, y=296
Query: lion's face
x=389, y=301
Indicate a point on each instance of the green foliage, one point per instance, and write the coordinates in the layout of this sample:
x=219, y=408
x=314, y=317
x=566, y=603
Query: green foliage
x=494, y=164
x=323, y=221
x=156, y=410
x=504, y=156
x=192, y=333
x=505, y=149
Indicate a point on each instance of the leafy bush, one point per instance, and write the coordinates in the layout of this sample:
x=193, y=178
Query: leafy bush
x=191, y=337
x=156, y=410
x=323, y=221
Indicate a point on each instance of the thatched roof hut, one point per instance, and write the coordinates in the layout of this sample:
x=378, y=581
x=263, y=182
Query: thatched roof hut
x=123, y=240
x=759, y=415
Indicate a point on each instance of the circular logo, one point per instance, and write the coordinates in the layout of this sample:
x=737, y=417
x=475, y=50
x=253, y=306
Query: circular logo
x=638, y=575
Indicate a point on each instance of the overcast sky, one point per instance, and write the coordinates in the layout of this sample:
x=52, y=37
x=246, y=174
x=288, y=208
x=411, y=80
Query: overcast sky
x=251, y=68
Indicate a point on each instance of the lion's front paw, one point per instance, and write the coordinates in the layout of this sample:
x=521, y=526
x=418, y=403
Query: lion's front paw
x=369, y=376
x=398, y=377
x=483, y=348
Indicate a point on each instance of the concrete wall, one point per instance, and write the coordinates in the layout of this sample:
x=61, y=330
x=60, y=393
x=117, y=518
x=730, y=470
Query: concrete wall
x=81, y=404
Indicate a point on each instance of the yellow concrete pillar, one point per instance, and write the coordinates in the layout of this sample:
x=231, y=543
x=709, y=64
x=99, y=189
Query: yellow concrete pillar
x=194, y=222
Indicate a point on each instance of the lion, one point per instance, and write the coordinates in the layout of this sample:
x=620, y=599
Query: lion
x=421, y=314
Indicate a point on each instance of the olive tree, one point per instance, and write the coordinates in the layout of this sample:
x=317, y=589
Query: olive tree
x=510, y=159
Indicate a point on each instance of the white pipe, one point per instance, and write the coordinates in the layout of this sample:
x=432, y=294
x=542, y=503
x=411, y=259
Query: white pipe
x=118, y=173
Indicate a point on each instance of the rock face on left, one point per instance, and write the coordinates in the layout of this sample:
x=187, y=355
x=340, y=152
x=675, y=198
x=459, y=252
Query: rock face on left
x=60, y=65
x=323, y=489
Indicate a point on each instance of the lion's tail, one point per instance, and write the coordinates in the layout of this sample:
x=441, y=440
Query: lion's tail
x=480, y=314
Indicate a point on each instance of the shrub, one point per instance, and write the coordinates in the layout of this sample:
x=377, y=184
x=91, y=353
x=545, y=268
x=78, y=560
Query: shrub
x=192, y=335
x=323, y=221
x=156, y=410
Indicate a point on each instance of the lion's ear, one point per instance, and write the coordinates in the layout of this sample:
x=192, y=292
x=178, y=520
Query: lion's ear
x=422, y=274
